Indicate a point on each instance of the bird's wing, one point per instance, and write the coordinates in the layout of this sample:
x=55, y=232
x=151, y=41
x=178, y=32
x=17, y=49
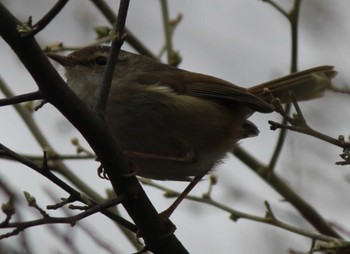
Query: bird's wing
x=200, y=85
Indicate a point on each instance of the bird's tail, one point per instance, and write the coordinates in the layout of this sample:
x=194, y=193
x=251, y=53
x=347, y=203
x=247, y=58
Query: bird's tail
x=305, y=85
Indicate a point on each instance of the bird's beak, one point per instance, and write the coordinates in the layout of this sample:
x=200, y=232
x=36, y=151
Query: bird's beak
x=63, y=60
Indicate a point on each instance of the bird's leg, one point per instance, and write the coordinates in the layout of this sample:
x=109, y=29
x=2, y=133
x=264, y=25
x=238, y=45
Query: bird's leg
x=168, y=212
x=133, y=170
x=189, y=157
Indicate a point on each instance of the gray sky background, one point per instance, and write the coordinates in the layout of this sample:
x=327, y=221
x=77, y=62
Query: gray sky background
x=244, y=41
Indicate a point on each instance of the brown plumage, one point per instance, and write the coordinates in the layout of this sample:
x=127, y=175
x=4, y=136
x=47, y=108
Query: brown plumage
x=175, y=124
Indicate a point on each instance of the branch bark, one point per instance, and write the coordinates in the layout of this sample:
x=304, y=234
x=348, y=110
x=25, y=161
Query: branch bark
x=153, y=228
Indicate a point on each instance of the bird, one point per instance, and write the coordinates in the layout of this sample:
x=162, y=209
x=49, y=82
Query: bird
x=174, y=124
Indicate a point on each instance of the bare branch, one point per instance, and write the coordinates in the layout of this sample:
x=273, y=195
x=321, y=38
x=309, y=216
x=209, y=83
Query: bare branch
x=75, y=195
x=117, y=42
x=235, y=215
x=153, y=228
x=305, y=209
x=72, y=220
x=131, y=38
x=299, y=124
x=21, y=98
x=41, y=24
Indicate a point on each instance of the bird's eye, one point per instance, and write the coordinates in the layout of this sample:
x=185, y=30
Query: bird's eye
x=101, y=60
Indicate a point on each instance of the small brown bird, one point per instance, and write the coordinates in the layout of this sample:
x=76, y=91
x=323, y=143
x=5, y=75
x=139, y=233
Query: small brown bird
x=175, y=124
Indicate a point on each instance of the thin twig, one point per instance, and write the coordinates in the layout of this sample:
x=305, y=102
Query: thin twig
x=173, y=24
x=293, y=17
x=299, y=124
x=277, y=7
x=305, y=209
x=20, y=226
x=173, y=58
x=270, y=218
x=75, y=194
x=131, y=38
x=309, y=131
x=41, y=24
x=294, y=22
x=21, y=98
x=91, y=232
x=117, y=42
x=59, y=47
x=38, y=134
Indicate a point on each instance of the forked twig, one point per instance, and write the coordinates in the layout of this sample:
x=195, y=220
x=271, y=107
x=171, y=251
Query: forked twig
x=298, y=123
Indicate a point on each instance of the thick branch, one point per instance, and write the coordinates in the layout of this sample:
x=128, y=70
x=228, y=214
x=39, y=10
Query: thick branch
x=94, y=129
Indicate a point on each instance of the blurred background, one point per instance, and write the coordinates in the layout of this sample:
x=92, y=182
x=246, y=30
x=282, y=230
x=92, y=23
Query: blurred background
x=244, y=42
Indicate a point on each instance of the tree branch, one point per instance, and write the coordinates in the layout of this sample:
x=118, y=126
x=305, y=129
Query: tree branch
x=21, y=98
x=117, y=42
x=306, y=210
x=41, y=24
x=131, y=38
x=152, y=227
